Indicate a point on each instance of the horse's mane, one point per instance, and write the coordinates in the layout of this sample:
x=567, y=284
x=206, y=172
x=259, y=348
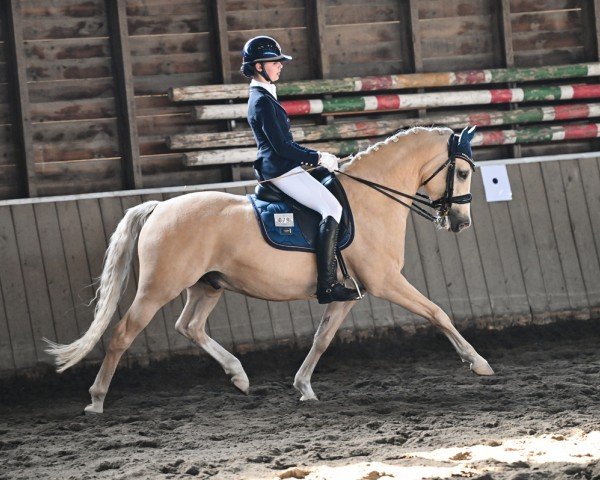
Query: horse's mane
x=397, y=137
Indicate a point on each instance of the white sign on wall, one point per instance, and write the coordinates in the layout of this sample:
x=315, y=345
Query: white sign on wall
x=496, y=183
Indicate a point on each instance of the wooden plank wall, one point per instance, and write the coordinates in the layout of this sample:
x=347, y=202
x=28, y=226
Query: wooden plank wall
x=534, y=259
x=382, y=29
x=549, y=32
x=458, y=35
x=172, y=44
x=285, y=20
x=71, y=83
x=71, y=92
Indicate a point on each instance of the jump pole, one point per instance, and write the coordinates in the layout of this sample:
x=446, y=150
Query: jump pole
x=343, y=148
x=390, y=82
x=379, y=103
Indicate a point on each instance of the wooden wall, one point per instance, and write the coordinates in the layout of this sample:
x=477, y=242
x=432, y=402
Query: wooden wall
x=533, y=259
x=285, y=20
x=71, y=93
x=550, y=32
x=459, y=35
x=69, y=124
x=172, y=44
x=383, y=33
x=9, y=169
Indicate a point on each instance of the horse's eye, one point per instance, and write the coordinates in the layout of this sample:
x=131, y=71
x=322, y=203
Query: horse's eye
x=463, y=174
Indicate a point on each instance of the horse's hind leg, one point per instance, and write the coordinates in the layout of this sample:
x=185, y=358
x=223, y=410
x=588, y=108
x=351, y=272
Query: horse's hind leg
x=139, y=315
x=201, y=299
x=332, y=319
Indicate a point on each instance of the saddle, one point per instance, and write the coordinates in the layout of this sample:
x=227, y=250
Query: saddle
x=287, y=225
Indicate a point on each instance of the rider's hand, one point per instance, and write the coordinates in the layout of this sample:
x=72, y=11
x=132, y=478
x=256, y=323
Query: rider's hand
x=329, y=161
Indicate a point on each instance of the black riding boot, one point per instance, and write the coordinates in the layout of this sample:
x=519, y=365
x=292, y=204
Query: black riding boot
x=328, y=288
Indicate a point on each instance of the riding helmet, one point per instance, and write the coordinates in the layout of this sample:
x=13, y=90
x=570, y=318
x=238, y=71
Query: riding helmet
x=258, y=50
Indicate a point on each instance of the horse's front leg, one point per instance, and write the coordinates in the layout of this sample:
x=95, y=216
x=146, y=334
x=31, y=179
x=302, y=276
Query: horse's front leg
x=332, y=319
x=404, y=294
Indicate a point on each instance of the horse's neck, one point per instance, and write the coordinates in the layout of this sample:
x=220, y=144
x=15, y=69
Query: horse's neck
x=376, y=214
x=396, y=165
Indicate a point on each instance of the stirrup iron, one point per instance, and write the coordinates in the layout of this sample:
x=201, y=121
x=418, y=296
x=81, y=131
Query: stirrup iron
x=347, y=276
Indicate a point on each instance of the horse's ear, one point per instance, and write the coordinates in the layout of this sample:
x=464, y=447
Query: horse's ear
x=467, y=134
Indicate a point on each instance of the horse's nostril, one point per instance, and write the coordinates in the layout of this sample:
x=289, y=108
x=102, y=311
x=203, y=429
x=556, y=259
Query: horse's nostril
x=464, y=225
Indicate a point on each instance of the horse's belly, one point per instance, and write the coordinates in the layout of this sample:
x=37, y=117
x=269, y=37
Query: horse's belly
x=270, y=274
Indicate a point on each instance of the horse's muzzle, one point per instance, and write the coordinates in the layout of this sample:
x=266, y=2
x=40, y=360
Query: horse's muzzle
x=459, y=223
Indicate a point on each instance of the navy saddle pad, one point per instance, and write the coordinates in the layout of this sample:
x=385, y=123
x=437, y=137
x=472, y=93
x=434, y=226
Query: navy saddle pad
x=288, y=225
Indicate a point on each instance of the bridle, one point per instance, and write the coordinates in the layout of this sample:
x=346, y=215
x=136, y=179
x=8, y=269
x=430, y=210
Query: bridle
x=441, y=205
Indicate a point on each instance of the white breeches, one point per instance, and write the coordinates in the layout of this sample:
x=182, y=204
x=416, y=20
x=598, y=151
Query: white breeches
x=305, y=189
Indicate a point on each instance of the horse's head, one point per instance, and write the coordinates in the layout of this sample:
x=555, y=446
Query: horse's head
x=447, y=180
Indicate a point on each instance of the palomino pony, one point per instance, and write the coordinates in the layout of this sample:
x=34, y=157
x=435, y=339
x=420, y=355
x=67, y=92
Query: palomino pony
x=186, y=243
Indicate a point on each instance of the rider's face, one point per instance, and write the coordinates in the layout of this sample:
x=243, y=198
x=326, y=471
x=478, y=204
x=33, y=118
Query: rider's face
x=273, y=70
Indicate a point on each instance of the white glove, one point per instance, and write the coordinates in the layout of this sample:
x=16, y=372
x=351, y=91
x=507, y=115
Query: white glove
x=329, y=161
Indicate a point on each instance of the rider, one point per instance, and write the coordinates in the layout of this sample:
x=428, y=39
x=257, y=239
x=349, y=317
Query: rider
x=278, y=155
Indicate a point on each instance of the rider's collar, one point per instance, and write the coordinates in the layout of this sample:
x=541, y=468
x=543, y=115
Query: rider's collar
x=269, y=87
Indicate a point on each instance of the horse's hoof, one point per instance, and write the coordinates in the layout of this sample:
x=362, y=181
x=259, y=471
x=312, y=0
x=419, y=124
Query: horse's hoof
x=305, y=389
x=93, y=410
x=482, y=367
x=241, y=383
x=309, y=398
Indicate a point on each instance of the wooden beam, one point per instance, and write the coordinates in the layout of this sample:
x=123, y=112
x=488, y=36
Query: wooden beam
x=223, y=63
x=125, y=98
x=591, y=28
x=591, y=38
x=18, y=78
x=317, y=23
x=506, y=34
x=220, y=28
x=416, y=57
x=414, y=31
x=596, y=22
x=508, y=54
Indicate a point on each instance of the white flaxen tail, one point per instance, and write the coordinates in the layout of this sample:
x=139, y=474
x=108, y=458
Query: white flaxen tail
x=117, y=264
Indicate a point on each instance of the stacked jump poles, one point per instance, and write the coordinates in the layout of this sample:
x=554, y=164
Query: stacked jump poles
x=348, y=136
x=376, y=128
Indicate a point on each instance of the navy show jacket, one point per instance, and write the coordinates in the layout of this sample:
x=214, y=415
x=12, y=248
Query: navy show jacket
x=277, y=151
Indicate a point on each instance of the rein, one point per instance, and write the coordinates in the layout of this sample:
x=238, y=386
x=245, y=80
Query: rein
x=441, y=205
x=420, y=198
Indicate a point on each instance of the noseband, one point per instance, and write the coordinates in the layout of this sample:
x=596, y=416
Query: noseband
x=441, y=205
